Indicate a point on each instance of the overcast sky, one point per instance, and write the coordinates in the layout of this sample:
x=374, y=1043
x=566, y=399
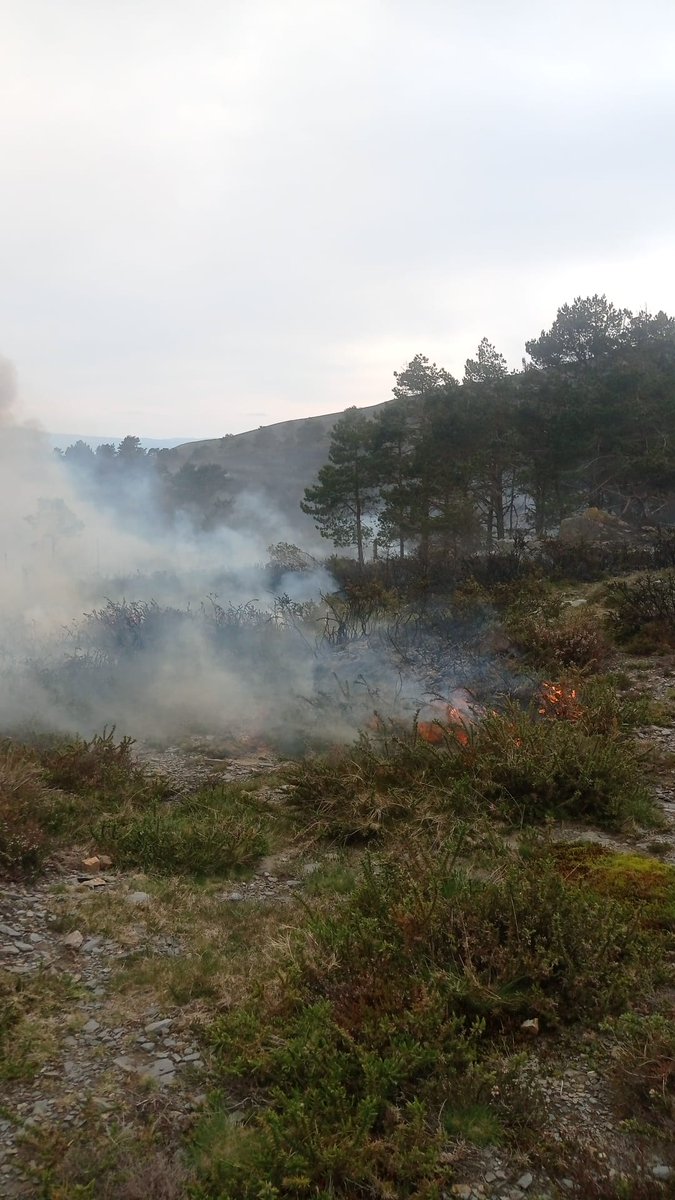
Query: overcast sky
x=218, y=214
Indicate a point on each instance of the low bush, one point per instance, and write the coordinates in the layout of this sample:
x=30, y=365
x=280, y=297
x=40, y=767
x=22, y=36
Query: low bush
x=530, y=770
x=609, y=707
x=386, y=1036
x=100, y=768
x=643, y=1050
x=357, y=793
x=24, y=798
x=643, y=610
x=210, y=833
x=514, y=766
x=576, y=639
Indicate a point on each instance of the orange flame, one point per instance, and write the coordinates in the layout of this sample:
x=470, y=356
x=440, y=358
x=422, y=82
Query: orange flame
x=441, y=718
x=558, y=702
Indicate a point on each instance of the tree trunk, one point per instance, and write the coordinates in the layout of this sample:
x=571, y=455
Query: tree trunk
x=488, y=527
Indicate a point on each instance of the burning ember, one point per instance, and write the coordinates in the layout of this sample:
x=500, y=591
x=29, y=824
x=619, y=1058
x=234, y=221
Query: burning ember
x=558, y=702
x=456, y=715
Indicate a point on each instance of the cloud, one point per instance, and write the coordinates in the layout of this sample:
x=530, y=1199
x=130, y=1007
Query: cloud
x=211, y=209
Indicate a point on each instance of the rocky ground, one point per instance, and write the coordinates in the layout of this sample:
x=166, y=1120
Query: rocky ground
x=106, y=958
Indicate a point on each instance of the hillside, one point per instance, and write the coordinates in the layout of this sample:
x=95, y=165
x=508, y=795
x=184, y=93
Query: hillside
x=279, y=461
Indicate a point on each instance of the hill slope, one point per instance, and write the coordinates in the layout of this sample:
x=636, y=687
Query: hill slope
x=278, y=461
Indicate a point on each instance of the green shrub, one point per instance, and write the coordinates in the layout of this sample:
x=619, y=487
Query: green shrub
x=515, y=766
x=529, y=770
x=609, y=709
x=210, y=833
x=358, y=793
x=381, y=1048
x=100, y=768
x=643, y=1050
x=577, y=639
x=643, y=610
x=24, y=797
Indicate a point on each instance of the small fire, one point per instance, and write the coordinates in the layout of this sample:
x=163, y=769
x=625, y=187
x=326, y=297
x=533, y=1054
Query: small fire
x=455, y=716
x=558, y=702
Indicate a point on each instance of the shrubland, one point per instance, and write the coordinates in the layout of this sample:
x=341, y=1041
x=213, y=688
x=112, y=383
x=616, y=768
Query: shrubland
x=373, y=1038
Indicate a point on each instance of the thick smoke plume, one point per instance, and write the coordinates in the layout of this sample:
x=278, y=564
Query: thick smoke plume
x=169, y=632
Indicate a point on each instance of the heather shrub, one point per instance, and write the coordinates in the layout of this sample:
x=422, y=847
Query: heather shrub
x=357, y=793
x=643, y=610
x=643, y=1052
x=529, y=770
x=512, y=766
x=210, y=833
x=24, y=797
x=385, y=1039
x=100, y=768
x=576, y=639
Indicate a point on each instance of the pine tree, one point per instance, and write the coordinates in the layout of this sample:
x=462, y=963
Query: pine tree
x=344, y=493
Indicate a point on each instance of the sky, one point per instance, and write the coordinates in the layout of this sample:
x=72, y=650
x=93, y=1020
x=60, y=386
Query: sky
x=217, y=214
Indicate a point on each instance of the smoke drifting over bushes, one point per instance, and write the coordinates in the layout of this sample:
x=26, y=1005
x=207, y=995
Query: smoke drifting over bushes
x=110, y=615
x=166, y=633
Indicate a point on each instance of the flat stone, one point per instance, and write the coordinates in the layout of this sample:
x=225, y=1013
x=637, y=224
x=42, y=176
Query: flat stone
x=138, y=898
x=162, y=1066
x=91, y=1026
x=524, y=1182
x=9, y=950
x=74, y=940
x=34, y=938
x=531, y=1026
x=157, y=1026
x=9, y=931
x=162, y=1071
x=662, y=1171
x=25, y=946
x=235, y=896
x=124, y=1063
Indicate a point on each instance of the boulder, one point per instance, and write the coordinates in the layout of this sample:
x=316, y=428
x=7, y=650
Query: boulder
x=597, y=526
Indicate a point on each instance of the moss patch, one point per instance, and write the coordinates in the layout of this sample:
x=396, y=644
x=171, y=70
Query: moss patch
x=633, y=878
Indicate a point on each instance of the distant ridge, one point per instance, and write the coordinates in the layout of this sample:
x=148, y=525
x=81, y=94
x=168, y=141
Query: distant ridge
x=68, y=439
x=277, y=462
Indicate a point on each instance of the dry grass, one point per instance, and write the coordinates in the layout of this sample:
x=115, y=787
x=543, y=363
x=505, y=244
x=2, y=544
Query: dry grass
x=24, y=798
